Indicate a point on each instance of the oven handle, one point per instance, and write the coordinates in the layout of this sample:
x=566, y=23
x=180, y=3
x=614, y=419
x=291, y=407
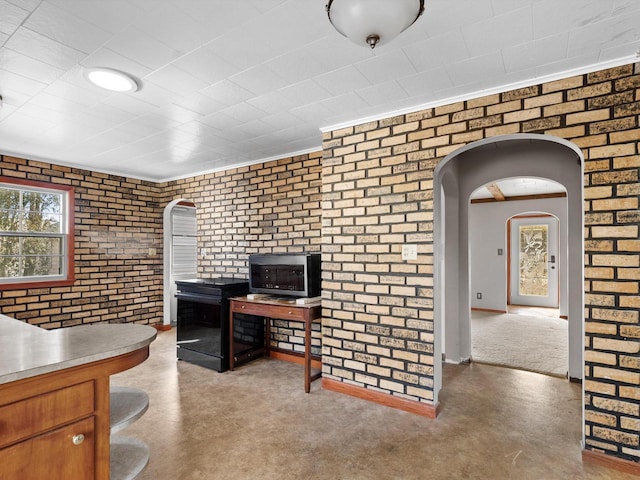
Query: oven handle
x=194, y=297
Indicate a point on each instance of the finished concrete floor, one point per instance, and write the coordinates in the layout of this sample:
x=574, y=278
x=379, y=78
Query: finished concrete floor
x=257, y=423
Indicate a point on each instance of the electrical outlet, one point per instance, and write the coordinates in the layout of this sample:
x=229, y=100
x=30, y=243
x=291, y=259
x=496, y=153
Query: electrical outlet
x=409, y=252
x=479, y=296
x=152, y=252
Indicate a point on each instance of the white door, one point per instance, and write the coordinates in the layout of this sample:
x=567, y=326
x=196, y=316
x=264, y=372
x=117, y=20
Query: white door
x=184, y=249
x=534, y=261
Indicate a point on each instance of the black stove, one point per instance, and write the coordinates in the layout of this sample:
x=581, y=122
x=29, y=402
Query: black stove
x=203, y=319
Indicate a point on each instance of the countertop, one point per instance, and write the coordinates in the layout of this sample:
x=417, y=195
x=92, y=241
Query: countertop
x=27, y=350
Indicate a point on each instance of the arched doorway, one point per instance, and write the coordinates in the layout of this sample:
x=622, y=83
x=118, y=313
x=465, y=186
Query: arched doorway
x=179, y=251
x=456, y=177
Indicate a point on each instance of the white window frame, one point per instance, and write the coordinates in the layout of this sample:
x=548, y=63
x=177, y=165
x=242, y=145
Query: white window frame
x=66, y=276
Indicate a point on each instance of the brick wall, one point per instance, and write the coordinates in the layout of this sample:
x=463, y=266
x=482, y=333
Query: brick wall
x=272, y=207
x=377, y=195
x=371, y=193
x=117, y=220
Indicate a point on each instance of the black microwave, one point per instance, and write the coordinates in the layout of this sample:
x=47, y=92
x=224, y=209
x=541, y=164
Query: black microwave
x=294, y=274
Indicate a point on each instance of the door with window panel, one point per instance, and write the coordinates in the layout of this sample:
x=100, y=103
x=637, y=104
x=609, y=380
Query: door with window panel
x=534, y=261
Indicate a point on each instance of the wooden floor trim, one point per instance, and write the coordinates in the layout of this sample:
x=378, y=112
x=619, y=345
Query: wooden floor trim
x=491, y=310
x=294, y=358
x=411, y=406
x=608, y=461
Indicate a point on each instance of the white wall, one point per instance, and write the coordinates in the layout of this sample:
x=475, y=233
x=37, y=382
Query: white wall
x=488, y=233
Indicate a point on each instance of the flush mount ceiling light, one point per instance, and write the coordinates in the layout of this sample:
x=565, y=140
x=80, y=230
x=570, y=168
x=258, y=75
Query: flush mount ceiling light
x=111, y=79
x=373, y=22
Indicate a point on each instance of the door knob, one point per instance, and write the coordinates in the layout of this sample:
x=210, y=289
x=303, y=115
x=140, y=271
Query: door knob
x=78, y=439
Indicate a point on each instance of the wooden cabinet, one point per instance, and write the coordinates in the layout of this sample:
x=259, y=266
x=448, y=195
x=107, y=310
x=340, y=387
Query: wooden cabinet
x=66, y=452
x=29, y=417
x=57, y=425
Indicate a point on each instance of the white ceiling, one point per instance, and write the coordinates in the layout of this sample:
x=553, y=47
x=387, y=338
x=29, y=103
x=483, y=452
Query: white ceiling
x=515, y=187
x=229, y=82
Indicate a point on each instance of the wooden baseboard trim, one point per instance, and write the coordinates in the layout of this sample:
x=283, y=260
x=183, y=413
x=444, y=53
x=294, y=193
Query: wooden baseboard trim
x=608, y=461
x=411, y=406
x=161, y=327
x=294, y=358
x=490, y=310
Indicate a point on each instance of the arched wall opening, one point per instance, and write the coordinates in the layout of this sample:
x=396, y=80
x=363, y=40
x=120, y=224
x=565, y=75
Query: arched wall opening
x=169, y=275
x=456, y=177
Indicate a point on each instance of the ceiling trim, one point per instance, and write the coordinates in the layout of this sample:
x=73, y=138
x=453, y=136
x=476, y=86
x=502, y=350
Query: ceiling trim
x=248, y=163
x=38, y=158
x=539, y=196
x=489, y=91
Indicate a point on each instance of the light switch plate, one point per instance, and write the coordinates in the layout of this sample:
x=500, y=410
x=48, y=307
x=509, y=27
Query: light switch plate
x=409, y=251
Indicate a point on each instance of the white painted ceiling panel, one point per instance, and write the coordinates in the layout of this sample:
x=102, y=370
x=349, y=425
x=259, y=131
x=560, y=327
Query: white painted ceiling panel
x=227, y=82
x=56, y=24
x=12, y=17
x=516, y=187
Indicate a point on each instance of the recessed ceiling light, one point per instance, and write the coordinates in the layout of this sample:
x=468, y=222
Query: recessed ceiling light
x=111, y=79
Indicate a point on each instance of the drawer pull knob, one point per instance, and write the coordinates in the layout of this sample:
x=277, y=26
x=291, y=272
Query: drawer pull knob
x=78, y=439
x=290, y=312
x=242, y=306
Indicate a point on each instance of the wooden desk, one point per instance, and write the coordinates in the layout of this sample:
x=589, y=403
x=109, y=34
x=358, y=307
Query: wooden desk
x=273, y=307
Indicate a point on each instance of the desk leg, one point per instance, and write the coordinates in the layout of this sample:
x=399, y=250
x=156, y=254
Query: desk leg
x=307, y=355
x=231, y=349
x=267, y=336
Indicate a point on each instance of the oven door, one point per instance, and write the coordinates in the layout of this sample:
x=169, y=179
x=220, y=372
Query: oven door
x=202, y=336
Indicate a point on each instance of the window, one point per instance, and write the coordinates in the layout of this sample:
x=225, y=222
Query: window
x=36, y=234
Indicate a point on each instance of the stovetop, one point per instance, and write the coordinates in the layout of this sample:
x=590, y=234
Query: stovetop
x=215, y=281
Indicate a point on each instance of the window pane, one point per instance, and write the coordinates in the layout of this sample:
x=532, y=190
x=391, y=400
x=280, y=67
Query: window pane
x=9, y=245
x=534, y=276
x=10, y=266
x=9, y=220
x=9, y=199
x=42, y=211
x=41, y=246
x=39, y=266
x=42, y=223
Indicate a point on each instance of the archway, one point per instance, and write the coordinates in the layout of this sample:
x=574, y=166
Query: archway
x=169, y=275
x=456, y=177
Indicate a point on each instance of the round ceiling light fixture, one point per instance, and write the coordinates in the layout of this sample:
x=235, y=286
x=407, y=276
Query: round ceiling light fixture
x=373, y=22
x=111, y=79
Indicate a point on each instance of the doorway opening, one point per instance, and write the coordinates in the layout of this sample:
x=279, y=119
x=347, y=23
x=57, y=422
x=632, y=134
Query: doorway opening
x=180, y=259
x=517, y=267
x=456, y=177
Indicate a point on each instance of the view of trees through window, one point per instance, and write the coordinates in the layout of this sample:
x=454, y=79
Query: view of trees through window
x=31, y=232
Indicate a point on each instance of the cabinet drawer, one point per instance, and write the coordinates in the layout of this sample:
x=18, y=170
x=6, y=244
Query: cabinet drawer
x=62, y=454
x=37, y=414
x=271, y=311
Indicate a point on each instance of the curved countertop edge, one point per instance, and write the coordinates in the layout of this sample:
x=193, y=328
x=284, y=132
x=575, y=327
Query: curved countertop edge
x=28, y=351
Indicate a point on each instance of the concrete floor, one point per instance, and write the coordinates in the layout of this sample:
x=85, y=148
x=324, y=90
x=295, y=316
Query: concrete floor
x=257, y=422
